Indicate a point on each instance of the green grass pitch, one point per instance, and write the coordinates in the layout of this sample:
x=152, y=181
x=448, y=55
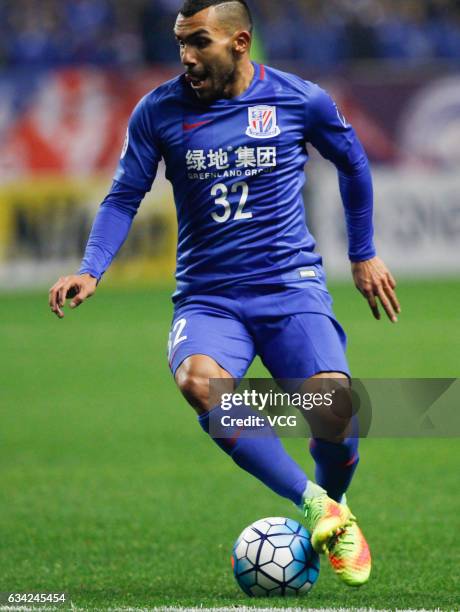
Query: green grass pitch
x=111, y=492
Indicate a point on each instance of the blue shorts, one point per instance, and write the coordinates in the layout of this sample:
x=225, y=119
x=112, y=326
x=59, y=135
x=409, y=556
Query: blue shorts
x=293, y=330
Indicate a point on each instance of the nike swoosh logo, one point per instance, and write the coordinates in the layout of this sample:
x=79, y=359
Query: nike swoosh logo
x=193, y=126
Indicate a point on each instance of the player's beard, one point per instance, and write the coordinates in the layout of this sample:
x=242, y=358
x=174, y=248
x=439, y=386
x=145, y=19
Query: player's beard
x=219, y=78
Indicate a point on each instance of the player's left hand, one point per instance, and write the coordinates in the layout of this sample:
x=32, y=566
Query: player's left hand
x=374, y=280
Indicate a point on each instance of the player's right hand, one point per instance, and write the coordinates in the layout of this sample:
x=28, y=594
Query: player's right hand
x=78, y=288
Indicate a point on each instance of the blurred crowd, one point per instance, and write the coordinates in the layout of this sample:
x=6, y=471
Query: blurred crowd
x=337, y=31
x=323, y=34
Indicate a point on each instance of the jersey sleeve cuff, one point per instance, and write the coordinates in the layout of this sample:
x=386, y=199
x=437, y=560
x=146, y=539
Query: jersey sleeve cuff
x=356, y=258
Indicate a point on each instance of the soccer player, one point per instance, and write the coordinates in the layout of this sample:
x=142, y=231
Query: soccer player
x=234, y=136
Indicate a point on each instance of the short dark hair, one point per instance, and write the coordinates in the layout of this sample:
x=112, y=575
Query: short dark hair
x=191, y=7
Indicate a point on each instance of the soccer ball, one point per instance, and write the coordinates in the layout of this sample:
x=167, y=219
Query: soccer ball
x=274, y=557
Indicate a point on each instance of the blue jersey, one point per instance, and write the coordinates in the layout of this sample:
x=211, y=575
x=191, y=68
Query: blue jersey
x=237, y=171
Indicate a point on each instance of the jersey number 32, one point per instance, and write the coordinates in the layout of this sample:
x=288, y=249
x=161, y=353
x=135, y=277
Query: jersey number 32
x=220, y=193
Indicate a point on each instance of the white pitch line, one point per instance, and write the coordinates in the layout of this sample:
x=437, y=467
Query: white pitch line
x=277, y=609
x=74, y=608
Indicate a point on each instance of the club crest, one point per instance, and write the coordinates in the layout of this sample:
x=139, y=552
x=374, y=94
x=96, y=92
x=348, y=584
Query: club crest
x=262, y=122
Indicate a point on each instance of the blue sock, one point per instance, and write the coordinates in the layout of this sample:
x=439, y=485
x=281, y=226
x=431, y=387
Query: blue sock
x=258, y=451
x=335, y=464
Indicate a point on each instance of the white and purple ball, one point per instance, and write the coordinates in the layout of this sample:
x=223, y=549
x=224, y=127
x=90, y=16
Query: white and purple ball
x=274, y=557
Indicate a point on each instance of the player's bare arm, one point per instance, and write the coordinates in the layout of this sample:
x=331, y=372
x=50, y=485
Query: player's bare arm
x=78, y=288
x=374, y=280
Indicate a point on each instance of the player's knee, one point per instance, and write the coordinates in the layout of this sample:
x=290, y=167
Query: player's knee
x=333, y=422
x=193, y=378
x=195, y=388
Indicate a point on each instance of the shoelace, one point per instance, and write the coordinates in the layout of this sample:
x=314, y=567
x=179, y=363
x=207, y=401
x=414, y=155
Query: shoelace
x=313, y=513
x=339, y=536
